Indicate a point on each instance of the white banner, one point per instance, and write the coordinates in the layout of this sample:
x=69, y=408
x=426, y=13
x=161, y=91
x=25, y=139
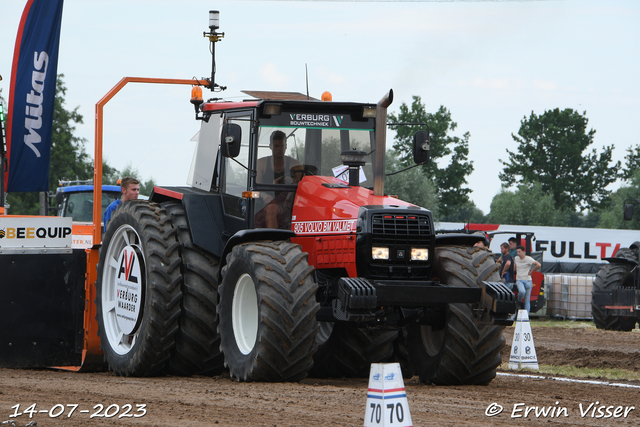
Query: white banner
x=560, y=244
x=35, y=232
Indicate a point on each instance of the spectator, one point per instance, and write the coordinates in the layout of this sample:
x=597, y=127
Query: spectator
x=484, y=244
x=512, y=247
x=506, y=271
x=130, y=188
x=525, y=265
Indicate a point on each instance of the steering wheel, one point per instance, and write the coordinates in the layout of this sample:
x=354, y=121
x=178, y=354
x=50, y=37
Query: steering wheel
x=307, y=170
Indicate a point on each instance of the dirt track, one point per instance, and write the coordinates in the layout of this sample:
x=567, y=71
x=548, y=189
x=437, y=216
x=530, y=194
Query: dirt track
x=200, y=401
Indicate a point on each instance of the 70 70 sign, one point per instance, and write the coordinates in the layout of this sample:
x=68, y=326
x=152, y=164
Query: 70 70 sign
x=376, y=412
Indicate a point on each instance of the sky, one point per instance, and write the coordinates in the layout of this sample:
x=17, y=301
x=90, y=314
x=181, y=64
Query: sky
x=491, y=63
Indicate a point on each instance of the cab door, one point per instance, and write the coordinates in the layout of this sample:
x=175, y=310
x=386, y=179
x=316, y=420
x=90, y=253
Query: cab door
x=234, y=177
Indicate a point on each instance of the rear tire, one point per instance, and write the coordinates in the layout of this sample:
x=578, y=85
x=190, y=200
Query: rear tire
x=197, y=350
x=464, y=351
x=267, y=312
x=349, y=351
x=608, y=277
x=139, y=236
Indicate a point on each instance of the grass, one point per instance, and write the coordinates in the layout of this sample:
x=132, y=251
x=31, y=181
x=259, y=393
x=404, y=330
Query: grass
x=575, y=372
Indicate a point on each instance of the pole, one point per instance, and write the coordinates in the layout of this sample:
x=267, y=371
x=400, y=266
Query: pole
x=2, y=160
x=381, y=143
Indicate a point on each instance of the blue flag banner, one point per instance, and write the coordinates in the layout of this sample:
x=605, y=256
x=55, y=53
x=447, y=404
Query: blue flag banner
x=32, y=95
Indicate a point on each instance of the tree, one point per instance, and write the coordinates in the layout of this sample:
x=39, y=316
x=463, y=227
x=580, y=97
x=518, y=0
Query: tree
x=145, y=187
x=68, y=160
x=528, y=205
x=612, y=215
x=449, y=180
x=412, y=185
x=550, y=152
x=632, y=164
x=468, y=212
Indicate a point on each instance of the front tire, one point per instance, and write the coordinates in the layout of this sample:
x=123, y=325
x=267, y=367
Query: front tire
x=268, y=312
x=138, y=289
x=611, y=276
x=464, y=351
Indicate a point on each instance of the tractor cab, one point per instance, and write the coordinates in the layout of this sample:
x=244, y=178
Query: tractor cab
x=75, y=199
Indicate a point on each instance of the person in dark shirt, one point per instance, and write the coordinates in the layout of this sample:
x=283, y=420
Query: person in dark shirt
x=506, y=271
x=130, y=188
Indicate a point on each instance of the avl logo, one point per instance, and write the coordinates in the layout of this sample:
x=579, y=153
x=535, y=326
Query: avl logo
x=126, y=267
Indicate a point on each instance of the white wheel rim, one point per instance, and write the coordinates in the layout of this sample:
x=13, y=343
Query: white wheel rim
x=324, y=332
x=120, y=342
x=244, y=314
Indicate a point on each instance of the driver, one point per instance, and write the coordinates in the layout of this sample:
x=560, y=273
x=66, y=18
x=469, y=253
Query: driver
x=277, y=169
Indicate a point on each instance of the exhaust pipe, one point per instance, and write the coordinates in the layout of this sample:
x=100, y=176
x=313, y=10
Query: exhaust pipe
x=381, y=143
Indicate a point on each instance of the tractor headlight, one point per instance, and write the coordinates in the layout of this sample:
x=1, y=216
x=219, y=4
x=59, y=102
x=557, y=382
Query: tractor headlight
x=419, y=254
x=380, y=253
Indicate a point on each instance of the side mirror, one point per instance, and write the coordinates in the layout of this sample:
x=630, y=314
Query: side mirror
x=421, y=147
x=628, y=211
x=59, y=197
x=230, y=140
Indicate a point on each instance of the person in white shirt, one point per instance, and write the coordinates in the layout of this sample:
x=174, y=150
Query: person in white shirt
x=525, y=265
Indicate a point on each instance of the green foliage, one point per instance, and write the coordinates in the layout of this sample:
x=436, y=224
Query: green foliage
x=145, y=186
x=412, y=185
x=468, y=212
x=550, y=152
x=632, y=162
x=528, y=205
x=612, y=215
x=449, y=180
x=588, y=219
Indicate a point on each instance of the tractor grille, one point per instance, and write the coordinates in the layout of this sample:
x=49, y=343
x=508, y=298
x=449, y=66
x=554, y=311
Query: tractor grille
x=409, y=229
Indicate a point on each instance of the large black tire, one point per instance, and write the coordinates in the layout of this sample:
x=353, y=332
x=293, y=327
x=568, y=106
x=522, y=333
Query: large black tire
x=145, y=229
x=464, y=351
x=348, y=351
x=267, y=312
x=608, y=277
x=197, y=349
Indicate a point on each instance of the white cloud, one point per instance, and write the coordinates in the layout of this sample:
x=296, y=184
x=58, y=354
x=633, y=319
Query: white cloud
x=544, y=85
x=273, y=77
x=490, y=83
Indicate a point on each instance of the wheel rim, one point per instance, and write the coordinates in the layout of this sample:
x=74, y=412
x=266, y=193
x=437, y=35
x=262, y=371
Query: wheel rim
x=324, y=332
x=121, y=337
x=432, y=340
x=244, y=314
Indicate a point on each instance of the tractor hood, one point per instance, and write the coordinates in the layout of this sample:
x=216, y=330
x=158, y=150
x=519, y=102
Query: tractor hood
x=326, y=205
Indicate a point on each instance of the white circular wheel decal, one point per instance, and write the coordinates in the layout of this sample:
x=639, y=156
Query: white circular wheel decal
x=128, y=290
x=244, y=314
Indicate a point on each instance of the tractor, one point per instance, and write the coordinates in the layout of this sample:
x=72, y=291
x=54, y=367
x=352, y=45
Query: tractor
x=615, y=298
x=277, y=272
x=283, y=257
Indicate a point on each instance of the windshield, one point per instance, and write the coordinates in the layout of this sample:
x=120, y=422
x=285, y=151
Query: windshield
x=79, y=206
x=285, y=154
